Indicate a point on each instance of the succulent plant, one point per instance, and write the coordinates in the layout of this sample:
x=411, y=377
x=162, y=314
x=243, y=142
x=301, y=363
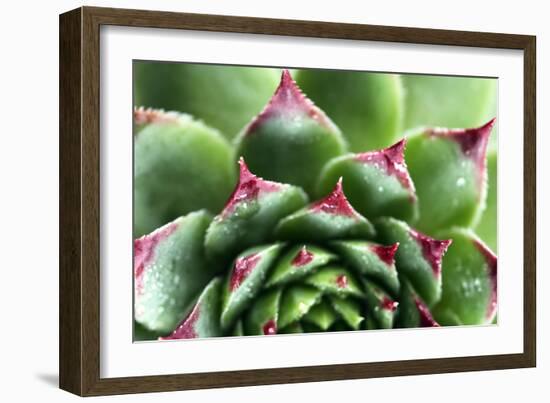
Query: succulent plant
x=312, y=238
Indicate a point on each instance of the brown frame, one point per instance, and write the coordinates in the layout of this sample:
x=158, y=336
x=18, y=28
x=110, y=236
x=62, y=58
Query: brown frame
x=79, y=200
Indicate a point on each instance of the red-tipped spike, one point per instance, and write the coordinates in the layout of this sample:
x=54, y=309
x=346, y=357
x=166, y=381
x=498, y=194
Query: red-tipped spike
x=389, y=304
x=248, y=188
x=186, y=329
x=426, y=318
x=302, y=258
x=270, y=327
x=288, y=100
x=432, y=249
x=241, y=269
x=386, y=253
x=491, y=260
x=473, y=142
x=335, y=203
x=342, y=281
x=144, y=251
x=392, y=161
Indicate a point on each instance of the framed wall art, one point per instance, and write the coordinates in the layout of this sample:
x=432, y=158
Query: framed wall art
x=251, y=201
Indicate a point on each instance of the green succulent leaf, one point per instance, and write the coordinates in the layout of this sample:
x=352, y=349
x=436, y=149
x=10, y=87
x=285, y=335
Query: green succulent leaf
x=272, y=262
x=412, y=311
x=469, y=281
x=418, y=256
x=448, y=168
x=381, y=306
x=377, y=182
x=263, y=315
x=368, y=107
x=223, y=96
x=245, y=280
x=373, y=260
x=297, y=300
x=335, y=280
x=291, y=139
x=330, y=218
x=204, y=319
x=348, y=309
x=321, y=315
x=141, y=333
x=293, y=328
x=251, y=214
x=171, y=151
x=170, y=269
x=297, y=263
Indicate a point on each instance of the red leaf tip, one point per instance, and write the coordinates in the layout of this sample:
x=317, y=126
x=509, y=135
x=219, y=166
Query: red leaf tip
x=386, y=253
x=432, y=249
x=392, y=161
x=289, y=101
x=335, y=203
x=473, y=142
x=248, y=188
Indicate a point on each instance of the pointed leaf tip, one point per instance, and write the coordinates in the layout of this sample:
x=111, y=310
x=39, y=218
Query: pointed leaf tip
x=289, y=100
x=335, y=203
x=302, y=258
x=385, y=253
x=432, y=249
x=392, y=161
x=473, y=142
x=248, y=188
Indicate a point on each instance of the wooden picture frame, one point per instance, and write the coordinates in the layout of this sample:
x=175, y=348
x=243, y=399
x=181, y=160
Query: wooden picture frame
x=79, y=346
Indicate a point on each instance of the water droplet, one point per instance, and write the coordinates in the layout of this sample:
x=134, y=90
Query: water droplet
x=460, y=182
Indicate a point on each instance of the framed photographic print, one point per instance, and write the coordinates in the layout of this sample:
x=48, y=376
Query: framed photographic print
x=251, y=201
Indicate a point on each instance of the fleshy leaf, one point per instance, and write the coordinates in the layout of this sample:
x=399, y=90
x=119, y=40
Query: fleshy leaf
x=469, y=294
x=291, y=139
x=204, y=319
x=335, y=280
x=141, y=333
x=264, y=313
x=376, y=182
x=372, y=260
x=251, y=213
x=238, y=329
x=487, y=226
x=245, y=280
x=298, y=262
x=412, y=311
x=225, y=97
x=180, y=166
x=293, y=328
x=380, y=305
x=297, y=300
x=448, y=167
x=170, y=269
x=418, y=257
x=332, y=217
x=348, y=309
x=321, y=315
x=368, y=107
